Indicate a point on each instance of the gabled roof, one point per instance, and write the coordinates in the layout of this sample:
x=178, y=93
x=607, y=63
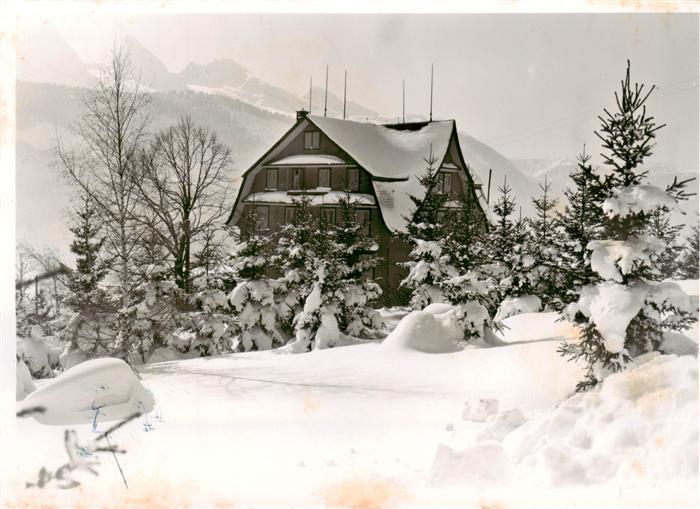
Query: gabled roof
x=388, y=152
x=394, y=155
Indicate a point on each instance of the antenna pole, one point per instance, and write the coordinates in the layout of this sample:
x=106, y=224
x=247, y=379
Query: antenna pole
x=325, y=103
x=345, y=92
x=488, y=188
x=403, y=99
x=311, y=88
x=431, y=92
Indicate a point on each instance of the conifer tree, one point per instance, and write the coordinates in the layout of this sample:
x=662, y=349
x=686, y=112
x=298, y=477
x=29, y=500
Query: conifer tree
x=545, y=239
x=89, y=268
x=580, y=222
x=358, y=258
x=511, y=262
x=625, y=315
x=338, y=298
x=465, y=236
x=257, y=297
x=430, y=262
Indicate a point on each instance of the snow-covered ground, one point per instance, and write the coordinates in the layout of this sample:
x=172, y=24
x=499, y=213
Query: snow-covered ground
x=386, y=425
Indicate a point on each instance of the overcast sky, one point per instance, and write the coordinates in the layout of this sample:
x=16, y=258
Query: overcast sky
x=530, y=85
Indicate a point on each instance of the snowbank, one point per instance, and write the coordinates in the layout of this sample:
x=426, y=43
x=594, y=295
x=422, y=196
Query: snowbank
x=39, y=355
x=640, y=425
x=97, y=390
x=423, y=331
x=479, y=409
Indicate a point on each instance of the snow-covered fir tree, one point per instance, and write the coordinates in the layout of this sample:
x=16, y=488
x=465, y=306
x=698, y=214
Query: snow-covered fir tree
x=510, y=261
x=90, y=270
x=430, y=263
x=580, y=222
x=339, y=297
x=445, y=255
x=155, y=311
x=211, y=327
x=626, y=313
x=545, y=238
x=358, y=258
x=294, y=256
x=261, y=302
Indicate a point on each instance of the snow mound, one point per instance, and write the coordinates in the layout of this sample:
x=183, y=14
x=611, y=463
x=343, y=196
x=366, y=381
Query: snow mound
x=501, y=425
x=39, y=355
x=482, y=462
x=425, y=332
x=641, y=424
x=94, y=391
x=512, y=306
x=479, y=409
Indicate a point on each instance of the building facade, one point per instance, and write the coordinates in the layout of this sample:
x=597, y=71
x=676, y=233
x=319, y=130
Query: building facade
x=380, y=165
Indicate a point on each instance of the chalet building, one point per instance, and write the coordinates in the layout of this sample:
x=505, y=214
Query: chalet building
x=380, y=164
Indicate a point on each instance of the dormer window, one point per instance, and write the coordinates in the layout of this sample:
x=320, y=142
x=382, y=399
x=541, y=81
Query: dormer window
x=445, y=182
x=312, y=140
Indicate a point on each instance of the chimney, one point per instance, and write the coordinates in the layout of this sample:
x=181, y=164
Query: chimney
x=301, y=114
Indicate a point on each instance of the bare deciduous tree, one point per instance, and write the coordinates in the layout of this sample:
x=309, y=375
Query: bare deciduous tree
x=182, y=184
x=111, y=133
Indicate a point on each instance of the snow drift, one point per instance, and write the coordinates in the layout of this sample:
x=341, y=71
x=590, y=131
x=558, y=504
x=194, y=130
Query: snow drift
x=640, y=424
x=97, y=390
x=434, y=330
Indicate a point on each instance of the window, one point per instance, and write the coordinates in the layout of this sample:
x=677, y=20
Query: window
x=354, y=179
x=328, y=215
x=362, y=217
x=262, y=214
x=312, y=140
x=298, y=178
x=445, y=183
x=271, y=178
x=289, y=215
x=324, y=177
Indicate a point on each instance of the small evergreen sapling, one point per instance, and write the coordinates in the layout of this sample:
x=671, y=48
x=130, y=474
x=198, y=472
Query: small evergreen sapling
x=545, y=238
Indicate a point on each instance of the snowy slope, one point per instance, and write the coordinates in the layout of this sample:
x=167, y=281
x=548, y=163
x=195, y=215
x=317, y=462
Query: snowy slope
x=367, y=426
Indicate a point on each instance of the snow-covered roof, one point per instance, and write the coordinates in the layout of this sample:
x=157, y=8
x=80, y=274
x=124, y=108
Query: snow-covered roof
x=320, y=198
x=303, y=159
x=387, y=152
